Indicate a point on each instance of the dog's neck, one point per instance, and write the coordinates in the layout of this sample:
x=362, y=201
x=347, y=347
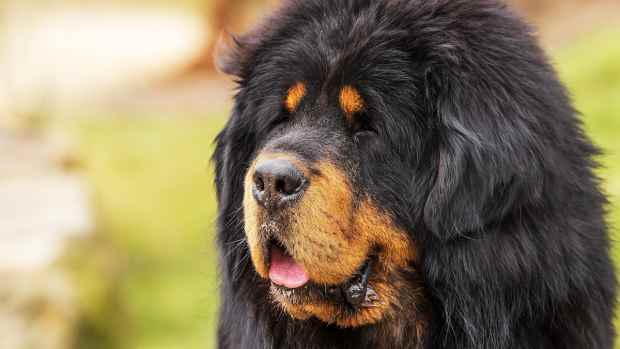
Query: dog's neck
x=395, y=332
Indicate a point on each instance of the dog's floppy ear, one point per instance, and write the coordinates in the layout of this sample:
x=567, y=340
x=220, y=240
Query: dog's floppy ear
x=226, y=55
x=485, y=157
x=234, y=53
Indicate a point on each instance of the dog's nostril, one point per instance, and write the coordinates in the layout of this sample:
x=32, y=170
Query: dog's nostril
x=258, y=182
x=275, y=181
x=288, y=185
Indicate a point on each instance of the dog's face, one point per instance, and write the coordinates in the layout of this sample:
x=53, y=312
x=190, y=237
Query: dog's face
x=332, y=165
x=329, y=249
x=356, y=139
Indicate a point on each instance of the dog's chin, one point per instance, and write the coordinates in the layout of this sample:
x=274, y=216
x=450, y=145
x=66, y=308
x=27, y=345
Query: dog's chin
x=354, y=293
x=333, y=304
x=354, y=302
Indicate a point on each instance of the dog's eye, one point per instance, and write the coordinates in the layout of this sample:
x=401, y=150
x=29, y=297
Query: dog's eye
x=362, y=136
x=363, y=127
x=363, y=132
x=280, y=119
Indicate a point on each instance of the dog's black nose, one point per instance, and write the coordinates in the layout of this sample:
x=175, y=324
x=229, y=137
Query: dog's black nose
x=277, y=182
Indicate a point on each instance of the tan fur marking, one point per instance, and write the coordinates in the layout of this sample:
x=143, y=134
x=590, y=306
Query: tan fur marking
x=378, y=227
x=294, y=96
x=252, y=222
x=322, y=239
x=350, y=101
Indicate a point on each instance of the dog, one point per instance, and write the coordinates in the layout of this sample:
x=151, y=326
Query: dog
x=406, y=174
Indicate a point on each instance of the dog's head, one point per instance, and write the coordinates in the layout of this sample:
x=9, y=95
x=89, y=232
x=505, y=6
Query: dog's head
x=313, y=225
x=363, y=130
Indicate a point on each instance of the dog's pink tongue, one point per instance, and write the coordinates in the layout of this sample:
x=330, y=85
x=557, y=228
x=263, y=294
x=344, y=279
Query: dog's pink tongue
x=284, y=271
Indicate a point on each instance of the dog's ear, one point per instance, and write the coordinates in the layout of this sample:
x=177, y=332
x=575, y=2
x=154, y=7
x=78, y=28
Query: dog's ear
x=233, y=54
x=227, y=55
x=485, y=156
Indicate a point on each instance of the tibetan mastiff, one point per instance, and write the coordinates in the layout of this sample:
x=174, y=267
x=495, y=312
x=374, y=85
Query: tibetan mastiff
x=406, y=174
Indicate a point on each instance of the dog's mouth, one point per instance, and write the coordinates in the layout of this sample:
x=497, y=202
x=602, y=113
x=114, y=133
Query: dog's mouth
x=284, y=271
x=290, y=282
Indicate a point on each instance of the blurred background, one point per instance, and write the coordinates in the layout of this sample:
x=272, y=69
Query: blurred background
x=108, y=110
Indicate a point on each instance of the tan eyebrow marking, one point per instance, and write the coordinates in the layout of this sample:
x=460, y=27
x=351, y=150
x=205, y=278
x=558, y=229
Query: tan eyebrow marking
x=351, y=101
x=294, y=96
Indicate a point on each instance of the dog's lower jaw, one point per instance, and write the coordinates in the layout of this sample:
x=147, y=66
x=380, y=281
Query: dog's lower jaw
x=402, y=327
x=369, y=298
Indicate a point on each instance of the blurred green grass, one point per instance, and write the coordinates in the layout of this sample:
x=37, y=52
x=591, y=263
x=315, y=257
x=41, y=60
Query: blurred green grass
x=591, y=70
x=155, y=197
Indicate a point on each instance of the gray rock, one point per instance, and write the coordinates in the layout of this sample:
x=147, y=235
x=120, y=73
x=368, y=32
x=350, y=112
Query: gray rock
x=42, y=209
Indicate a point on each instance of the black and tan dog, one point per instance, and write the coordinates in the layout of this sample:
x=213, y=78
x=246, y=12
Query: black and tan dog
x=406, y=174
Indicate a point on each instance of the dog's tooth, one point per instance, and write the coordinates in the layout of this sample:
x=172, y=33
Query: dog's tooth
x=371, y=298
x=371, y=294
x=357, y=290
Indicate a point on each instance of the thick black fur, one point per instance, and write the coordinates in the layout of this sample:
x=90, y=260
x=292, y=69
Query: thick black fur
x=469, y=141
